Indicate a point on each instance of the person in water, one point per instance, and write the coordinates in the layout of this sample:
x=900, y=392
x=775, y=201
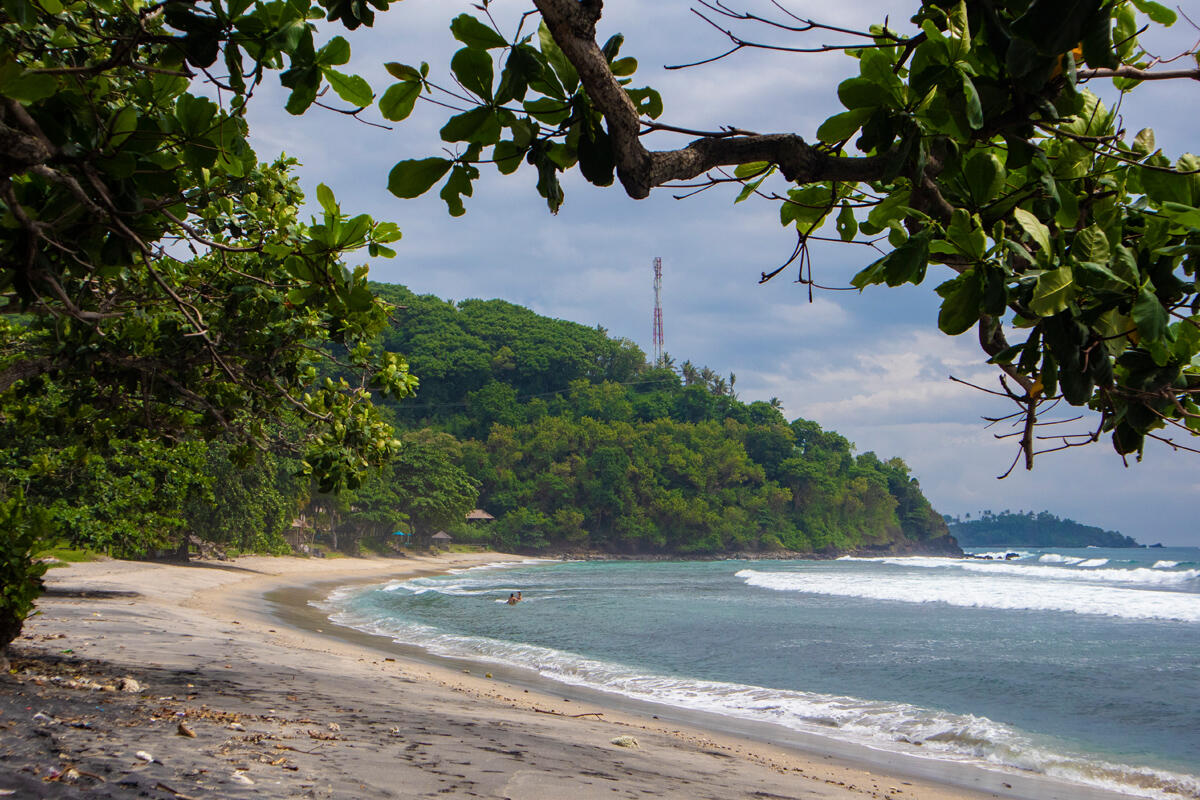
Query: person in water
x=512, y=599
x=519, y=598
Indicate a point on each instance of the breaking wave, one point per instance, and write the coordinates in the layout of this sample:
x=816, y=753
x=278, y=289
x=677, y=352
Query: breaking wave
x=1004, y=586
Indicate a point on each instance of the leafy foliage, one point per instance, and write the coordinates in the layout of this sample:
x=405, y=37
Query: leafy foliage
x=576, y=443
x=158, y=289
x=981, y=155
x=20, y=574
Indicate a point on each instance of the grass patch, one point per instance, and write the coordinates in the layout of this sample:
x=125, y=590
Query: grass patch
x=68, y=555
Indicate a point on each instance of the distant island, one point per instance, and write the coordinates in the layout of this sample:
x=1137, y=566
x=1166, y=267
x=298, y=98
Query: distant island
x=1027, y=529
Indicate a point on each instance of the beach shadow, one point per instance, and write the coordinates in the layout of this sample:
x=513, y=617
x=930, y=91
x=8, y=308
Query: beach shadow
x=227, y=567
x=94, y=594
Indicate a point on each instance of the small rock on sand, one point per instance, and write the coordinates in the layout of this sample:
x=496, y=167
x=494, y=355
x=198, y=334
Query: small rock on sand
x=625, y=741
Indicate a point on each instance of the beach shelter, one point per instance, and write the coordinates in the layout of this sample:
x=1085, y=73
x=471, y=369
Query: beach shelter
x=441, y=537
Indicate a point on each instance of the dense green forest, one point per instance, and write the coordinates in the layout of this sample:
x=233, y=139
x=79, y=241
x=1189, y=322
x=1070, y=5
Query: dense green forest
x=567, y=436
x=576, y=442
x=1027, y=529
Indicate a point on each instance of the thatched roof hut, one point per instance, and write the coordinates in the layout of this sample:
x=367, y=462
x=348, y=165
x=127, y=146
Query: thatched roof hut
x=479, y=515
x=442, y=536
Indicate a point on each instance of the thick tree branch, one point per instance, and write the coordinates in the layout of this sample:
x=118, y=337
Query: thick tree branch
x=573, y=26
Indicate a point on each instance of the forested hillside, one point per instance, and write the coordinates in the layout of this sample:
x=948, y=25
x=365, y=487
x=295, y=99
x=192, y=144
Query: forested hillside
x=568, y=437
x=576, y=442
x=1027, y=529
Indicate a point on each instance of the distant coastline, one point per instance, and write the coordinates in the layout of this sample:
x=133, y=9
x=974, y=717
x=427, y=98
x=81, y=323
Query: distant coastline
x=1029, y=529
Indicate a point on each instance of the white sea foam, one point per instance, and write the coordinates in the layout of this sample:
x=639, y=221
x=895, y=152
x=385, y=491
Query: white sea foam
x=1056, y=558
x=1076, y=569
x=883, y=725
x=1165, y=564
x=1138, y=575
x=999, y=591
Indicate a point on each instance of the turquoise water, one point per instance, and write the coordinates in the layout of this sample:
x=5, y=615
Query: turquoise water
x=1081, y=664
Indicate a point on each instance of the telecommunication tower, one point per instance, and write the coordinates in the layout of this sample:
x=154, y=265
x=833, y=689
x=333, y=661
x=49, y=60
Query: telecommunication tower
x=658, y=326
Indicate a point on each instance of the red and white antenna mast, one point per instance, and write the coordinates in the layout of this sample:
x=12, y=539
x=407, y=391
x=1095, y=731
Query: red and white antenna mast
x=658, y=326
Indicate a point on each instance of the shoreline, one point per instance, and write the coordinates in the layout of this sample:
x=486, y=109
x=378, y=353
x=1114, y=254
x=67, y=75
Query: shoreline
x=243, y=637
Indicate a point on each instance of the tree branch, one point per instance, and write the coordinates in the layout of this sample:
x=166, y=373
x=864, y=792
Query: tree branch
x=573, y=26
x=1126, y=71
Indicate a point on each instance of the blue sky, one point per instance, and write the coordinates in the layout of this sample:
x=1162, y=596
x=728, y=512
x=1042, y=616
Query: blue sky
x=872, y=366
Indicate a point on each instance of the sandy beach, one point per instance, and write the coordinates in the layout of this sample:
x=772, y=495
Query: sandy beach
x=173, y=681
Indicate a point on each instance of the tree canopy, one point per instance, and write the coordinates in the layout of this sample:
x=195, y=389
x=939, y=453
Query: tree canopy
x=157, y=279
x=970, y=140
x=158, y=287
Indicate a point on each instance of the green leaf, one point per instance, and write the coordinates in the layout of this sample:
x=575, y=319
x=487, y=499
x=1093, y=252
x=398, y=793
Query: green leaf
x=456, y=187
x=28, y=87
x=507, y=156
x=402, y=72
x=473, y=68
x=1156, y=11
x=478, y=125
x=751, y=168
x=1035, y=228
x=1149, y=316
x=1098, y=43
x=847, y=226
x=474, y=33
x=562, y=67
x=806, y=207
x=1160, y=183
x=624, y=67
x=335, y=53
x=842, y=126
x=547, y=110
x=893, y=208
x=1053, y=292
x=984, y=174
x=398, y=101
x=960, y=304
x=861, y=93
x=351, y=88
x=965, y=232
x=123, y=125
x=647, y=101
x=974, y=106
x=1091, y=245
x=1124, y=266
x=1180, y=214
x=412, y=178
x=1143, y=143
x=905, y=264
x=326, y=199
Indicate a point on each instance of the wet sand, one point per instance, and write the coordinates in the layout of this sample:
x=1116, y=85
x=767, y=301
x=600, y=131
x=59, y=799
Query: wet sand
x=243, y=690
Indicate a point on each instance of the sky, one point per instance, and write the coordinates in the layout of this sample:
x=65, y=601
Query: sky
x=872, y=365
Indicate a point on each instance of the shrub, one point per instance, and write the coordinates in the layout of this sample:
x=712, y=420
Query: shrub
x=21, y=532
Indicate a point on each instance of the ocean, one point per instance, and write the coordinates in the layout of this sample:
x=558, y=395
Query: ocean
x=1079, y=664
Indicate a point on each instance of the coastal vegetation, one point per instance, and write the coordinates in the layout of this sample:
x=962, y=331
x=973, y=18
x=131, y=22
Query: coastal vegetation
x=180, y=351
x=577, y=442
x=1029, y=529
